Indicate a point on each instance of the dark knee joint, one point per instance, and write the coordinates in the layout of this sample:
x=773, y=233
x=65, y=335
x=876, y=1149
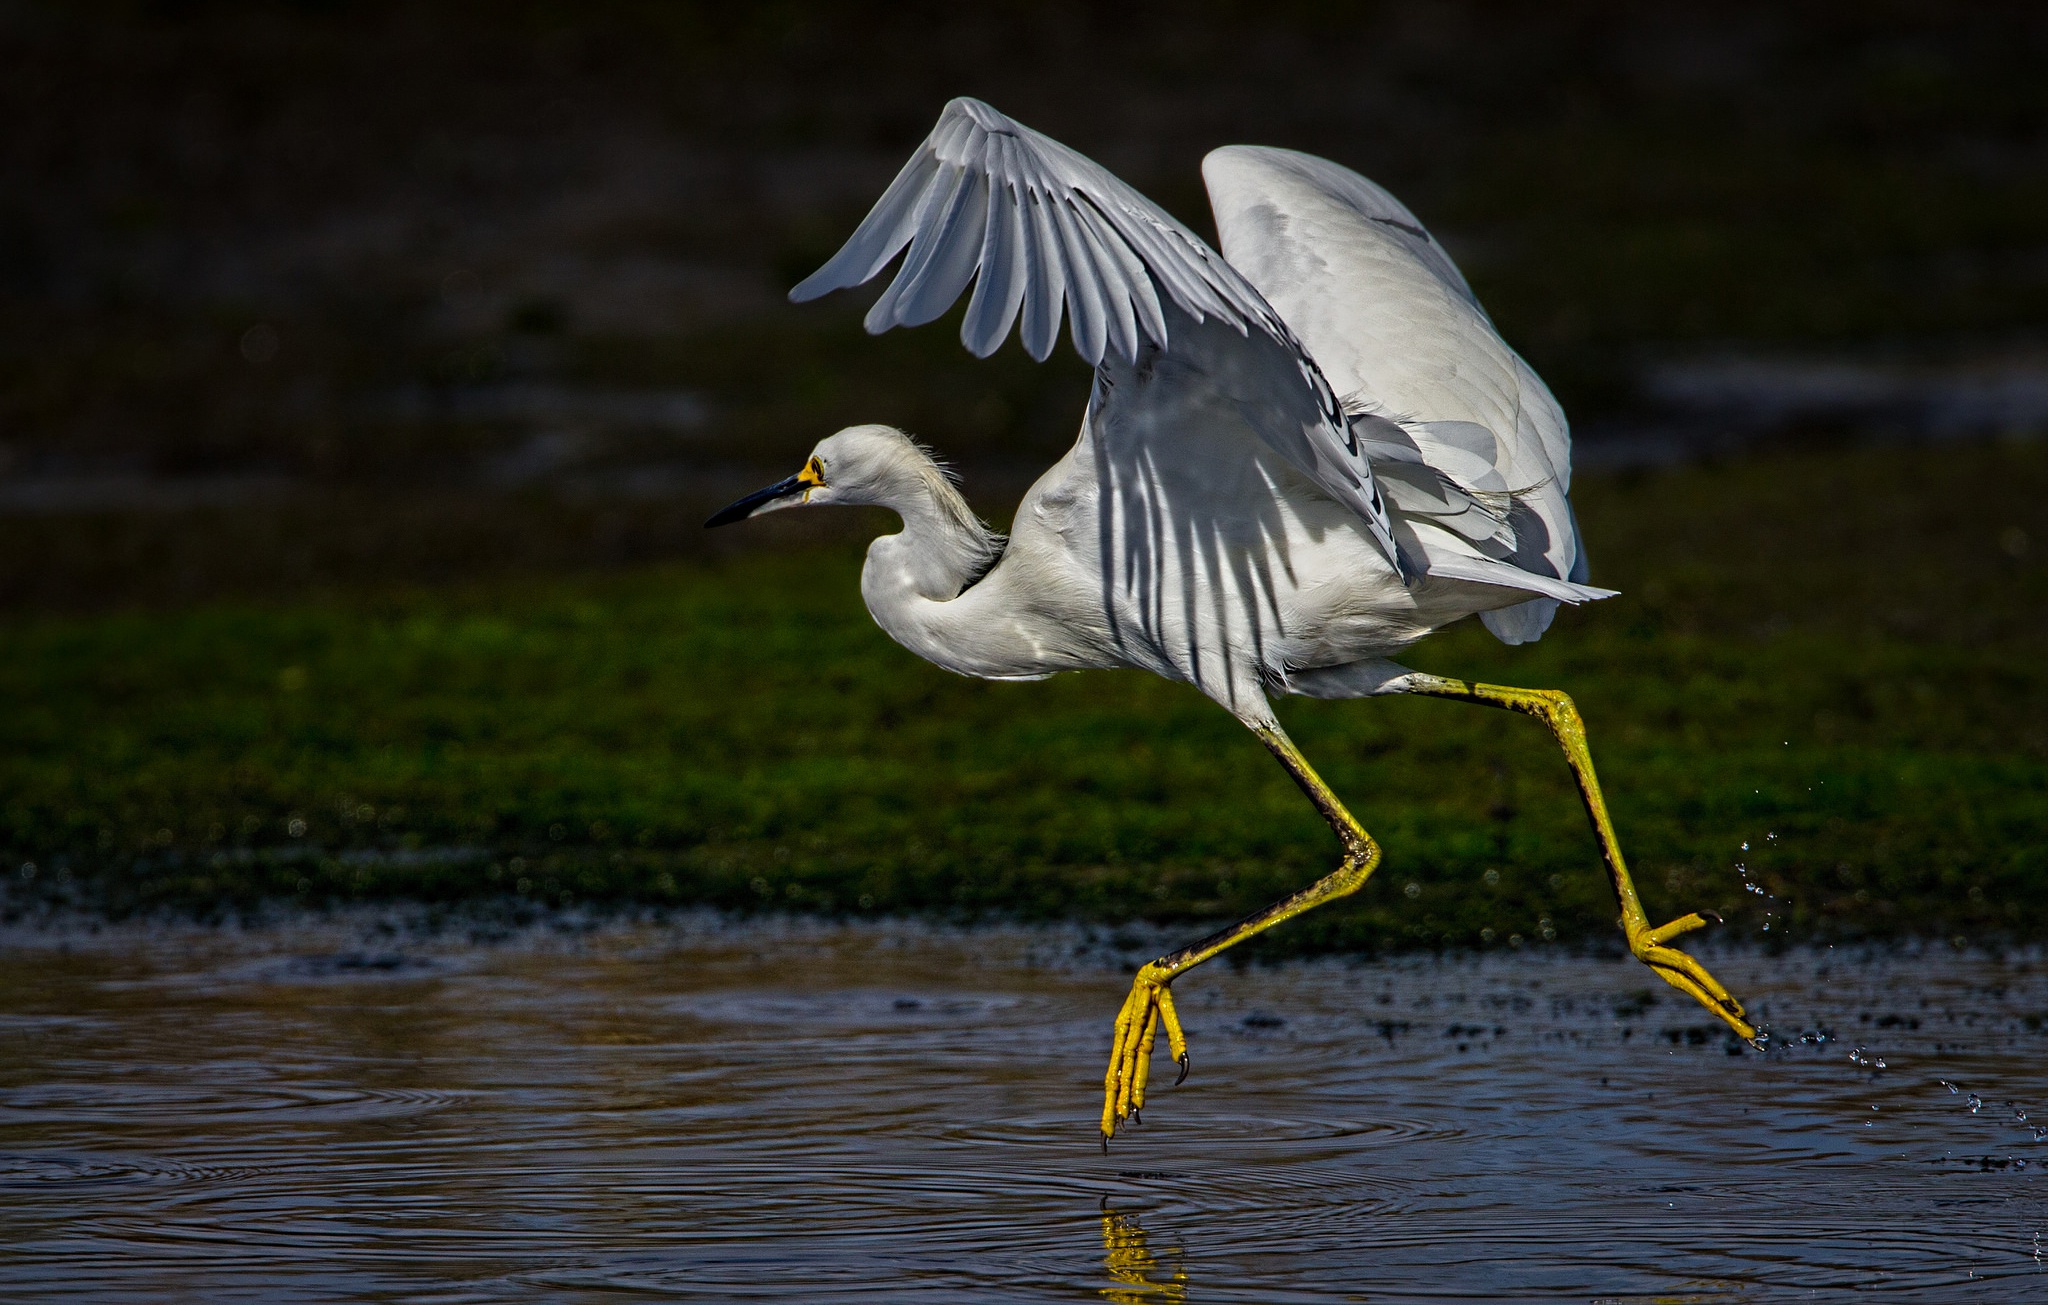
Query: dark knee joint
x=1555, y=708
x=1363, y=857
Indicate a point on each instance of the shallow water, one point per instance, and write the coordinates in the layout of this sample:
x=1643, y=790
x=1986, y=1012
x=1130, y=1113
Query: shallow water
x=347, y=1110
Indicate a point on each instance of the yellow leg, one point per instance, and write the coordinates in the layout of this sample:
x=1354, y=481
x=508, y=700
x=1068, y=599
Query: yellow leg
x=1556, y=710
x=1150, y=1003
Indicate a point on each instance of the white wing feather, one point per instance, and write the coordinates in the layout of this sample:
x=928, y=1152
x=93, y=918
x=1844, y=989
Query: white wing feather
x=1039, y=226
x=1396, y=329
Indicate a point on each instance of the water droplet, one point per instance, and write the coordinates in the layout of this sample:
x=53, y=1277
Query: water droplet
x=1745, y=845
x=1976, y=1103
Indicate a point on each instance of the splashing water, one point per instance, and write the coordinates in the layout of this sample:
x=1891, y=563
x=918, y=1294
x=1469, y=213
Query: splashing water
x=1749, y=885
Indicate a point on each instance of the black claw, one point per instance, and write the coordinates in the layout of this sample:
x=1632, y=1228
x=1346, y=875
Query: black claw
x=1715, y=916
x=1183, y=1070
x=1139, y=1117
x=1105, y=1144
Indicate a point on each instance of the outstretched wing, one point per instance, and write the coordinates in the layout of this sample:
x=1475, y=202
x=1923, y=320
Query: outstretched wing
x=1035, y=225
x=1399, y=333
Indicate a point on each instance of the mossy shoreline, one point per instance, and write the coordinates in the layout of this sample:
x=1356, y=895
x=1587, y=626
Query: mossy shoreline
x=1830, y=720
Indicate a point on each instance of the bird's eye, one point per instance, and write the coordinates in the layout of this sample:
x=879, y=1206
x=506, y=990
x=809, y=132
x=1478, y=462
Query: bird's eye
x=813, y=473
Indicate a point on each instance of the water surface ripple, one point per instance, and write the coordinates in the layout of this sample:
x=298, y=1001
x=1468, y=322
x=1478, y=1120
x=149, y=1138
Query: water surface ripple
x=344, y=1110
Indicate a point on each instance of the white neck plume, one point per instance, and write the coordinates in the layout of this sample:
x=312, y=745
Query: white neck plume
x=942, y=549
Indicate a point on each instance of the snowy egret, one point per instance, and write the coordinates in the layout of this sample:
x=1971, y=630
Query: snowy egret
x=1297, y=459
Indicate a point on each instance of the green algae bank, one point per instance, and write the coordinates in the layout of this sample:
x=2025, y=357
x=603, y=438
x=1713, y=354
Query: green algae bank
x=1869, y=713
x=355, y=1107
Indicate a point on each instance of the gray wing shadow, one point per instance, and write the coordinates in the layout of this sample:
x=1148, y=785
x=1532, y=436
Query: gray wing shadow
x=1195, y=534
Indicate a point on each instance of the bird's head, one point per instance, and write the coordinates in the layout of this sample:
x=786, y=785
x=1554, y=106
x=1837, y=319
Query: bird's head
x=859, y=465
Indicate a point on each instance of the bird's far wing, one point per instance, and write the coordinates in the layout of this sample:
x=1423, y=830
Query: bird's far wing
x=1035, y=225
x=1396, y=329
x=1379, y=303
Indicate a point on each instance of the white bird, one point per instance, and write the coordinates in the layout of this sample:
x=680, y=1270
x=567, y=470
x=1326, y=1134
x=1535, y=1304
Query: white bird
x=1297, y=459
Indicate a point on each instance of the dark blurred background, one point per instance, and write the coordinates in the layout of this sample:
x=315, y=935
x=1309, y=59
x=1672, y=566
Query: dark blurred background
x=367, y=371
x=340, y=293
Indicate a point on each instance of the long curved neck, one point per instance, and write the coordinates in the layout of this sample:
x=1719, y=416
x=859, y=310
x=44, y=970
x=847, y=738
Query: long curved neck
x=942, y=549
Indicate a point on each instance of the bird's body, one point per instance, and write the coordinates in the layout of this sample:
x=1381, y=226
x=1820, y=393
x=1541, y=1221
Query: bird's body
x=1294, y=463
x=1168, y=539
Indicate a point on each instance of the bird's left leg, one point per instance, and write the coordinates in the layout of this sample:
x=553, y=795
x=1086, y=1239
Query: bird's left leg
x=1150, y=1004
x=1558, y=713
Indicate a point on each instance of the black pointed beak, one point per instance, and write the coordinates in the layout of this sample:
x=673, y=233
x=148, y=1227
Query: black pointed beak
x=754, y=502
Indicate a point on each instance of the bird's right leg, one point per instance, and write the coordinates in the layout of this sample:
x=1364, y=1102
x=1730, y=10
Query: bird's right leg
x=1150, y=1003
x=1649, y=945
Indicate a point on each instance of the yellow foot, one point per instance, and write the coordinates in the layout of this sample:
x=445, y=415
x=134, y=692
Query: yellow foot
x=1686, y=974
x=1130, y=1059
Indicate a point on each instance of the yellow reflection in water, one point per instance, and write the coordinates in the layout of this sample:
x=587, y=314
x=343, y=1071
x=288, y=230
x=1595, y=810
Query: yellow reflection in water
x=1141, y=1279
